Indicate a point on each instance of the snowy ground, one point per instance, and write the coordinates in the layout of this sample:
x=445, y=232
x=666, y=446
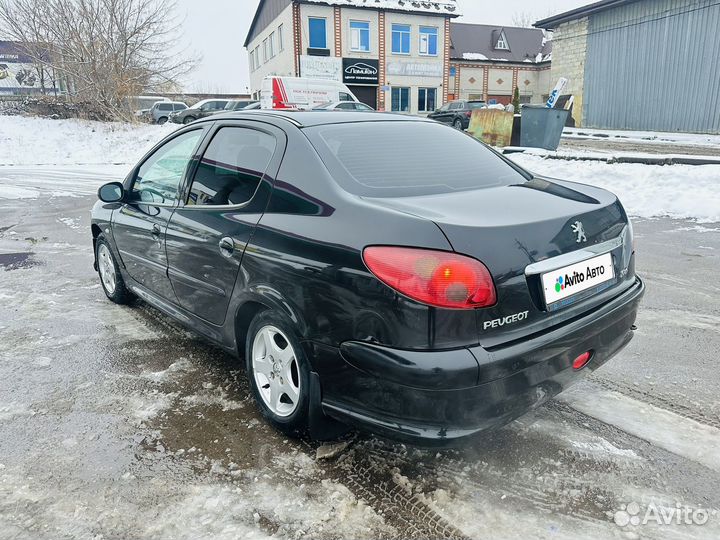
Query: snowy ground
x=116, y=423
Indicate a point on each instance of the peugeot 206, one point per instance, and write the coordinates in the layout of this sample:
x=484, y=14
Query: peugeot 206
x=373, y=270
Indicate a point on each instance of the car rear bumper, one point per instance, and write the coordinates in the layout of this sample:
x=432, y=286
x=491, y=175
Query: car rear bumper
x=437, y=397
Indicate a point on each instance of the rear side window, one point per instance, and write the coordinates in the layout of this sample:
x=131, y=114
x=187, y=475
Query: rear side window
x=391, y=159
x=232, y=167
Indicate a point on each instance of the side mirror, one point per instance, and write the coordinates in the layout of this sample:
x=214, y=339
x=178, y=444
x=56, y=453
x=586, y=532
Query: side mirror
x=111, y=192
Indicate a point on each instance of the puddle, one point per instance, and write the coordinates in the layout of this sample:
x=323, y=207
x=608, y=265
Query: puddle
x=14, y=261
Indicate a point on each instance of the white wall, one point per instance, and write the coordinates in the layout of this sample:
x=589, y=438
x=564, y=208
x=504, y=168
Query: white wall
x=365, y=15
x=284, y=62
x=326, y=12
x=414, y=82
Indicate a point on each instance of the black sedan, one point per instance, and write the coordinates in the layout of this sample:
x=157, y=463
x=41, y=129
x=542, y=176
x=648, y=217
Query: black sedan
x=457, y=113
x=422, y=295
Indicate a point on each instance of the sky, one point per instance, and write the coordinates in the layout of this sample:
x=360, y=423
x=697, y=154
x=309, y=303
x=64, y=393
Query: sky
x=216, y=30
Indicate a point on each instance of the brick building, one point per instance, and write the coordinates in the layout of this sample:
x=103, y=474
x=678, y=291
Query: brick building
x=393, y=54
x=489, y=62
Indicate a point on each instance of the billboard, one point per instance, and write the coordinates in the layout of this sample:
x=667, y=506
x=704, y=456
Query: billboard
x=18, y=73
x=361, y=71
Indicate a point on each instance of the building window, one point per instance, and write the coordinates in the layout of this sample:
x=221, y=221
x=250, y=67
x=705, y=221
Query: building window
x=252, y=61
x=266, y=50
x=426, y=99
x=257, y=57
x=401, y=39
x=401, y=100
x=281, y=45
x=360, y=36
x=318, y=33
x=271, y=44
x=502, y=42
x=428, y=40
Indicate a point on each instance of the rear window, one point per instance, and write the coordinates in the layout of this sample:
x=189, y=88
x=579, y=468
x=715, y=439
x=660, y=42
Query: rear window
x=476, y=104
x=407, y=159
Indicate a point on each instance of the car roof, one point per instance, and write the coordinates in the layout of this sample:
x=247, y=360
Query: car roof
x=317, y=118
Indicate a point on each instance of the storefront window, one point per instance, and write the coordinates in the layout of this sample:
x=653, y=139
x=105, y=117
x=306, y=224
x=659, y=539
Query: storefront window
x=427, y=99
x=401, y=100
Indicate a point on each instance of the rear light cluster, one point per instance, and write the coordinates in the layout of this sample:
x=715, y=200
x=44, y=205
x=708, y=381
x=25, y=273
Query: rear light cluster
x=436, y=278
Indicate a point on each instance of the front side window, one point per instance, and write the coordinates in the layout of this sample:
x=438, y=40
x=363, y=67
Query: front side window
x=232, y=167
x=344, y=96
x=426, y=99
x=318, y=33
x=360, y=36
x=401, y=39
x=428, y=40
x=159, y=177
x=400, y=100
x=401, y=165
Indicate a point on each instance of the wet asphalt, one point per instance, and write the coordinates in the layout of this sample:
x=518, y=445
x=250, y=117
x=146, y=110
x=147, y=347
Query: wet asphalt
x=116, y=423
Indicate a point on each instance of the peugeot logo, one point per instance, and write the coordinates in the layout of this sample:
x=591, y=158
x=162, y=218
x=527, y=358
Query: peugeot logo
x=578, y=229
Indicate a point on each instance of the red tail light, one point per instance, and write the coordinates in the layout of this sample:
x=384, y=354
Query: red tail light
x=468, y=114
x=436, y=278
x=582, y=360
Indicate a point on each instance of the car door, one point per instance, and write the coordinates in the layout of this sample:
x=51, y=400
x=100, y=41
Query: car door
x=139, y=225
x=442, y=114
x=222, y=204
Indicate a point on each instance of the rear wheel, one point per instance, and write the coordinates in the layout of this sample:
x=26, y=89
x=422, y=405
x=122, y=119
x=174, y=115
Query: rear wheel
x=110, y=278
x=162, y=120
x=457, y=124
x=278, y=371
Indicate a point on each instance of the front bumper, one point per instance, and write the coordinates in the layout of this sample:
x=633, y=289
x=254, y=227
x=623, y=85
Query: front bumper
x=437, y=397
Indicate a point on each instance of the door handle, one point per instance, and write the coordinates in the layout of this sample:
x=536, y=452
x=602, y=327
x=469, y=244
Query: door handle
x=227, y=246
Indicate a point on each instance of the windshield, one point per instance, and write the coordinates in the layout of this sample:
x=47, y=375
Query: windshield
x=391, y=159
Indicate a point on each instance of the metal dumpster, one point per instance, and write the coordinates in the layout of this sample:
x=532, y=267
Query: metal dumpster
x=542, y=127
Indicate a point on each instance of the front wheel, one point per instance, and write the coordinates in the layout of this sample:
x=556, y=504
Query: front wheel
x=188, y=119
x=110, y=278
x=457, y=124
x=278, y=371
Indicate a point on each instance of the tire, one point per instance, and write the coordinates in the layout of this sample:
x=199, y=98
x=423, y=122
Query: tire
x=457, y=124
x=282, y=392
x=110, y=277
x=162, y=120
x=188, y=119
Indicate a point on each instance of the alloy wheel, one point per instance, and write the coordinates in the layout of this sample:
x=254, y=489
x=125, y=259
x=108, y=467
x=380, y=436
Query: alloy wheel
x=107, y=269
x=276, y=371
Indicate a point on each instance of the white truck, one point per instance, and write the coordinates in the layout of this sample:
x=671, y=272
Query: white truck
x=301, y=93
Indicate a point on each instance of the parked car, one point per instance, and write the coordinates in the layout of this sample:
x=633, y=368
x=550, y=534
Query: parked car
x=423, y=295
x=142, y=104
x=457, y=113
x=343, y=106
x=161, y=111
x=201, y=109
x=238, y=104
x=301, y=93
x=253, y=107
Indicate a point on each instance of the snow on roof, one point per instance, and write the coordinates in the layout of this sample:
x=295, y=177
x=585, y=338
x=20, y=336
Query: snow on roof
x=445, y=7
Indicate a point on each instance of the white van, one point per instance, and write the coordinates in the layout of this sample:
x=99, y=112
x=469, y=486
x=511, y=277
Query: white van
x=300, y=93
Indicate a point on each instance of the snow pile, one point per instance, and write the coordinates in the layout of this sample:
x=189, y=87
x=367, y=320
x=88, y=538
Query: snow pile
x=38, y=141
x=659, y=137
x=676, y=191
x=444, y=6
x=474, y=56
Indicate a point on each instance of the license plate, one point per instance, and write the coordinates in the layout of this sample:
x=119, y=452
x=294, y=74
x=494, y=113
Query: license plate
x=576, y=278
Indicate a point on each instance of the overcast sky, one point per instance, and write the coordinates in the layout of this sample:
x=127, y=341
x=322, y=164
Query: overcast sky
x=217, y=28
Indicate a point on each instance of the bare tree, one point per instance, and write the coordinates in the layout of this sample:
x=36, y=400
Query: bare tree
x=523, y=19
x=105, y=50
